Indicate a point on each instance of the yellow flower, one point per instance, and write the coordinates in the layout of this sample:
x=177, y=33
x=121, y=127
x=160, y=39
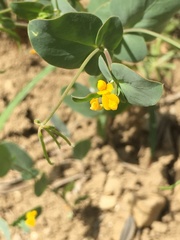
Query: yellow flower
x=31, y=218
x=110, y=101
x=95, y=105
x=104, y=88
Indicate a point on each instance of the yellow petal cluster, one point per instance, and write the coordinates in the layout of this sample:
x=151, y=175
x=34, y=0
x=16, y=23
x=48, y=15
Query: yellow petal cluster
x=107, y=100
x=95, y=105
x=31, y=218
x=110, y=101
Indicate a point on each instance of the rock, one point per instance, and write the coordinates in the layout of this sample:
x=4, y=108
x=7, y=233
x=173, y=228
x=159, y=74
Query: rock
x=113, y=186
x=107, y=202
x=148, y=210
x=167, y=218
x=159, y=227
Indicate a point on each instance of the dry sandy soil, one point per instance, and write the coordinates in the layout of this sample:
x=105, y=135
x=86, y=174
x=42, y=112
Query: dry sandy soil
x=118, y=176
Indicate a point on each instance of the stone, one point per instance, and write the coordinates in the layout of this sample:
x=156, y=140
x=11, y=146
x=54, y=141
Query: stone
x=113, y=186
x=159, y=227
x=148, y=210
x=107, y=202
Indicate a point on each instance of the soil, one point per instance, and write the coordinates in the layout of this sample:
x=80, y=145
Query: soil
x=118, y=178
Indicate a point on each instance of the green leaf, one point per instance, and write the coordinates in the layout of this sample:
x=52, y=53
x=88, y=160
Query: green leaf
x=110, y=34
x=104, y=69
x=137, y=90
x=7, y=22
x=23, y=217
x=19, y=160
x=65, y=7
x=132, y=48
x=100, y=8
x=81, y=107
x=81, y=149
x=40, y=185
x=59, y=124
x=5, y=160
x=26, y=10
x=65, y=41
x=149, y=14
x=4, y=228
x=68, y=188
x=86, y=98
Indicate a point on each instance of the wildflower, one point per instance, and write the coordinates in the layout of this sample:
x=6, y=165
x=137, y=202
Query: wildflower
x=109, y=100
x=31, y=218
x=95, y=105
x=104, y=88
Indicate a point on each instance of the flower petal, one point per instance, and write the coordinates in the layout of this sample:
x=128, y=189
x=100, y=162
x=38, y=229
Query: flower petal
x=110, y=101
x=95, y=105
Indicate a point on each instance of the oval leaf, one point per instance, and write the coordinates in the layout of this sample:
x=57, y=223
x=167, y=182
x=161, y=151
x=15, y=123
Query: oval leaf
x=65, y=41
x=26, y=10
x=151, y=14
x=110, y=34
x=40, y=185
x=65, y=6
x=101, y=8
x=19, y=160
x=81, y=148
x=6, y=160
x=104, y=69
x=132, y=48
x=4, y=228
x=137, y=90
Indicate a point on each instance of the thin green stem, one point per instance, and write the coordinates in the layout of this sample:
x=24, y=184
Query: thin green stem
x=71, y=84
x=154, y=34
x=22, y=25
x=5, y=10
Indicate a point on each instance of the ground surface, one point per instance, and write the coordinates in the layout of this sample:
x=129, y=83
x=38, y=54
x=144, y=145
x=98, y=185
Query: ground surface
x=118, y=176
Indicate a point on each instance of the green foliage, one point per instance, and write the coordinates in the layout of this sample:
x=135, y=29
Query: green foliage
x=40, y=185
x=65, y=41
x=98, y=40
x=58, y=123
x=13, y=157
x=4, y=228
x=132, y=48
x=6, y=160
x=82, y=107
x=81, y=148
x=26, y=10
x=100, y=8
x=67, y=188
x=22, y=218
x=110, y=34
x=149, y=14
x=137, y=90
